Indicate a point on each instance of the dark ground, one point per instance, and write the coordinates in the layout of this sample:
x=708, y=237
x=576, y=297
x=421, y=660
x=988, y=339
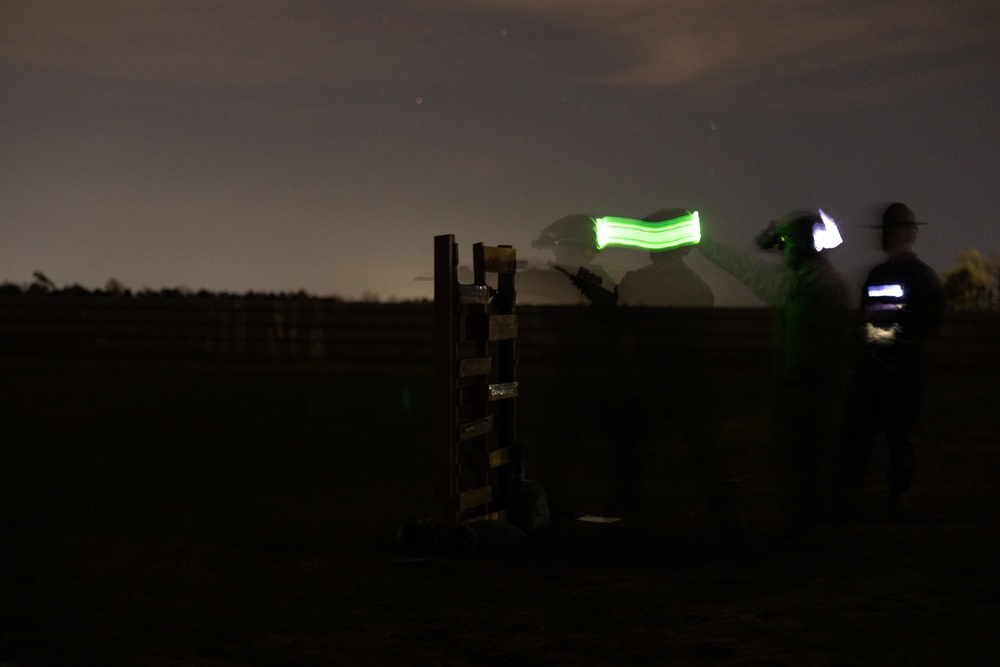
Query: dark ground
x=221, y=515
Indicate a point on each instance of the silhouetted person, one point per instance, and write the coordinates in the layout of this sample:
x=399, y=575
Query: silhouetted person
x=665, y=282
x=810, y=301
x=675, y=377
x=902, y=302
x=588, y=396
x=572, y=240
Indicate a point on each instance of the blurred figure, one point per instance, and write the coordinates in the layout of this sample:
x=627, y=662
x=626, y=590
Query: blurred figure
x=572, y=241
x=667, y=281
x=810, y=301
x=587, y=404
x=675, y=378
x=902, y=303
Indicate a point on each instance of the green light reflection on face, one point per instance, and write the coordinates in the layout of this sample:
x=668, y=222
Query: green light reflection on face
x=675, y=233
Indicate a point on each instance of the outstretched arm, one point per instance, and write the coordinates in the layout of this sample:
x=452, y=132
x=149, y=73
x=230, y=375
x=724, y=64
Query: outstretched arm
x=771, y=283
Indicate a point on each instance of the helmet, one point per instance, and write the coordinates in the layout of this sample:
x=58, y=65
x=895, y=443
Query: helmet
x=575, y=230
x=796, y=228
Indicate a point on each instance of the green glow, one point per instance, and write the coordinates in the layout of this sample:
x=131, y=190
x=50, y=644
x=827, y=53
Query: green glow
x=682, y=231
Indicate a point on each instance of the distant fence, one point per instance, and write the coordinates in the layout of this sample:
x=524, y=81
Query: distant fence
x=303, y=329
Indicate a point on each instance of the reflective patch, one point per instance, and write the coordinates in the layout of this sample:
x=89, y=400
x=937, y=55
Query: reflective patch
x=881, y=335
x=894, y=291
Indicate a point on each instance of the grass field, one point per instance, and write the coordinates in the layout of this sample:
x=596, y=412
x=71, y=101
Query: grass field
x=244, y=514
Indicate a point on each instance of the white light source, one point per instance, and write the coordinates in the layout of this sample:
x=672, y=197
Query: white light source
x=826, y=235
x=895, y=291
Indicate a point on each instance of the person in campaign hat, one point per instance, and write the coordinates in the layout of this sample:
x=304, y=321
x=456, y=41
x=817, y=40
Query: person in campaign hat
x=902, y=302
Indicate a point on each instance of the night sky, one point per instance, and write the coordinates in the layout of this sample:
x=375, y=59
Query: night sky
x=278, y=146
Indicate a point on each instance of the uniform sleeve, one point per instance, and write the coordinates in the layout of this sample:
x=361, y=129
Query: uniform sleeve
x=771, y=283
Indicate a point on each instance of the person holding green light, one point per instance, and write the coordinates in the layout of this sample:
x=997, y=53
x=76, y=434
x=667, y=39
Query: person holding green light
x=810, y=302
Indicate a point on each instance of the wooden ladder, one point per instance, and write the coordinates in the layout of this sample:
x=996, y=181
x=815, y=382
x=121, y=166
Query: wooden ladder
x=475, y=329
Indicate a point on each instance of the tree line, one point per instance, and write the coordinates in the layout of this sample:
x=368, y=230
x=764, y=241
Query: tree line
x=972, y=284
x=114, y=289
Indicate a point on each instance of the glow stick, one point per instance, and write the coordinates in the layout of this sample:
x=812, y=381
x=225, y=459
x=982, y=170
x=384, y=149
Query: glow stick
x=681, y=231
x=886, y=290
x=826, y=235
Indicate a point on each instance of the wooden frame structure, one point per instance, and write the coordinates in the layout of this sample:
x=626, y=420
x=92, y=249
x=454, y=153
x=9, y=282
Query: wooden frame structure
x=475, y=329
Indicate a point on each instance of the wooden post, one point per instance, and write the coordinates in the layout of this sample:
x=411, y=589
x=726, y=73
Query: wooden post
x=445, y=381
x=475, y=381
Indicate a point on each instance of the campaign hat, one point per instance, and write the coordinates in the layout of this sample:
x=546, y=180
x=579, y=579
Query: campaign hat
x=897, y=214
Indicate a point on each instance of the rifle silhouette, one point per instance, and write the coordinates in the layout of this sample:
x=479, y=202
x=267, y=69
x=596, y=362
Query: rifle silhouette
x=589, y=283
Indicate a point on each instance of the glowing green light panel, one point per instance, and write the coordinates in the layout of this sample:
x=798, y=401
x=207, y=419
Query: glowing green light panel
x=682, y=231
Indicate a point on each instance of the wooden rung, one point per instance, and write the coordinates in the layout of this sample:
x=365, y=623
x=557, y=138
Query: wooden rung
x=503, y=327
x=475, y=498
x=474, y=366
x=475, y=428
x=503, y=390
x=473, y=294
x=499, y=457
x=499, y=260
